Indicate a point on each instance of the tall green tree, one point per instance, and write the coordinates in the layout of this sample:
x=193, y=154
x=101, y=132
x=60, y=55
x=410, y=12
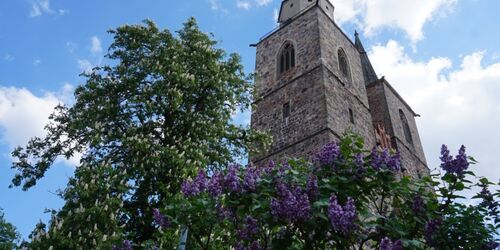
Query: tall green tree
x=159, y=113
x=9, y=236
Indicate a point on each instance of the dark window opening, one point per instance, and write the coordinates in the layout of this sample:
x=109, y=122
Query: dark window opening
x=287, y=58
x=286, y=112
x=406, y=127
x=351, y=116
x=343, y=63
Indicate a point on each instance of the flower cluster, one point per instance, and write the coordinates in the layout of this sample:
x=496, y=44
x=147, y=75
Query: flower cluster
x=312, y=186
x=254, y=246
x=160, y=219
x=454, y=166
x=218, y=182
x=418, y=205
x=359, y=162
x=250, y=179
x=387, y=244
x=380, y=160
x=431, y=227
x=290, y=205
x=250, y=229
x=327, y=154
x=214, y=186
x=126, y=245
x=231, y=180
x=342, y=218
x=198, y=185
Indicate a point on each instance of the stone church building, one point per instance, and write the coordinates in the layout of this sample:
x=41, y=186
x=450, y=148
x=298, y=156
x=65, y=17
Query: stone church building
x=313, y=84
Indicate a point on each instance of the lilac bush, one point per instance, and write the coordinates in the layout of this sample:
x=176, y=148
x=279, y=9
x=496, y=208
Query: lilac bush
x=346, y=198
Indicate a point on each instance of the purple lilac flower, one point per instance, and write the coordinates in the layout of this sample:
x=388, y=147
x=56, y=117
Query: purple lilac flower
x=385, y=160
x=223, y=212
x=214, y=186
x=492, y=245
x=488, y=200
x=327, y=154
x=269, y=167
x=394, y=162
x=255, y=246
x=312, y=186
x=290, y=205
x=250, y=179
x=359, y=162
x=387, y=244
x=431, y=227
x=198, y=185
x=461, y=162
x=342, y=218
x=240, y=246
x=303, y=206
x=250, y=228
x=231, y=180
x=160, y=219
x=201, y=181
x=454, y=166
x=418, y=205
x=127, y=245
x=188, y=189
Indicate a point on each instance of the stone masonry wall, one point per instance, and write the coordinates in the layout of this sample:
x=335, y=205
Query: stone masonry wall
x=339, y=100
x=303, y=33
x=394, y=105
x=344, y=93
x=306, y=96
x=385, y=105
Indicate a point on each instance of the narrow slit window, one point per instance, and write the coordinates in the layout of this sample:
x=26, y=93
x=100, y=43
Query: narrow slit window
x=351, y=116
x=286, y=110
x=286, y=113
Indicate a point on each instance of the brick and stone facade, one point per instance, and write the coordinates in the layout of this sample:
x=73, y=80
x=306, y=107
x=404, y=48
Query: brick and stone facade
x=326, y=88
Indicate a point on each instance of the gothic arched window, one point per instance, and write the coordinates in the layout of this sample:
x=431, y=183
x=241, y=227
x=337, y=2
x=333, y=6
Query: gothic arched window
x=286, y=58
x=406, y=127
x=343, y=64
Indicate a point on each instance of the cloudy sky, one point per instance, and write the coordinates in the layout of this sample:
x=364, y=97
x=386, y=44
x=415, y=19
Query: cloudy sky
x=443, y=56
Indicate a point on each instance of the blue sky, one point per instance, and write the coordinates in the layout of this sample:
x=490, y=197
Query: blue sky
x=443, y=56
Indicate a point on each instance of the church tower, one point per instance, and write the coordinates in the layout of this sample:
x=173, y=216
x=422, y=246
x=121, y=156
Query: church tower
x=313, y=84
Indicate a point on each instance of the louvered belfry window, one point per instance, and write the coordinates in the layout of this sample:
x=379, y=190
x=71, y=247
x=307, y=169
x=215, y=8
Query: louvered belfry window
x=286, y=58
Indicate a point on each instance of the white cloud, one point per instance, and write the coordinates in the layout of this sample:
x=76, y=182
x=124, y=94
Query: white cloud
x=40, y=7
x=407, y=15
x=85, y=65
x=214, y=4
x=37, y=62
x=71, y=46
x=62, y=12
x=263, y=2
x=458, y=105
x=24, y=115
x=275, y=15
x=8, y=57
x=96, y=48
x=219, y=5
x=243, y=5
